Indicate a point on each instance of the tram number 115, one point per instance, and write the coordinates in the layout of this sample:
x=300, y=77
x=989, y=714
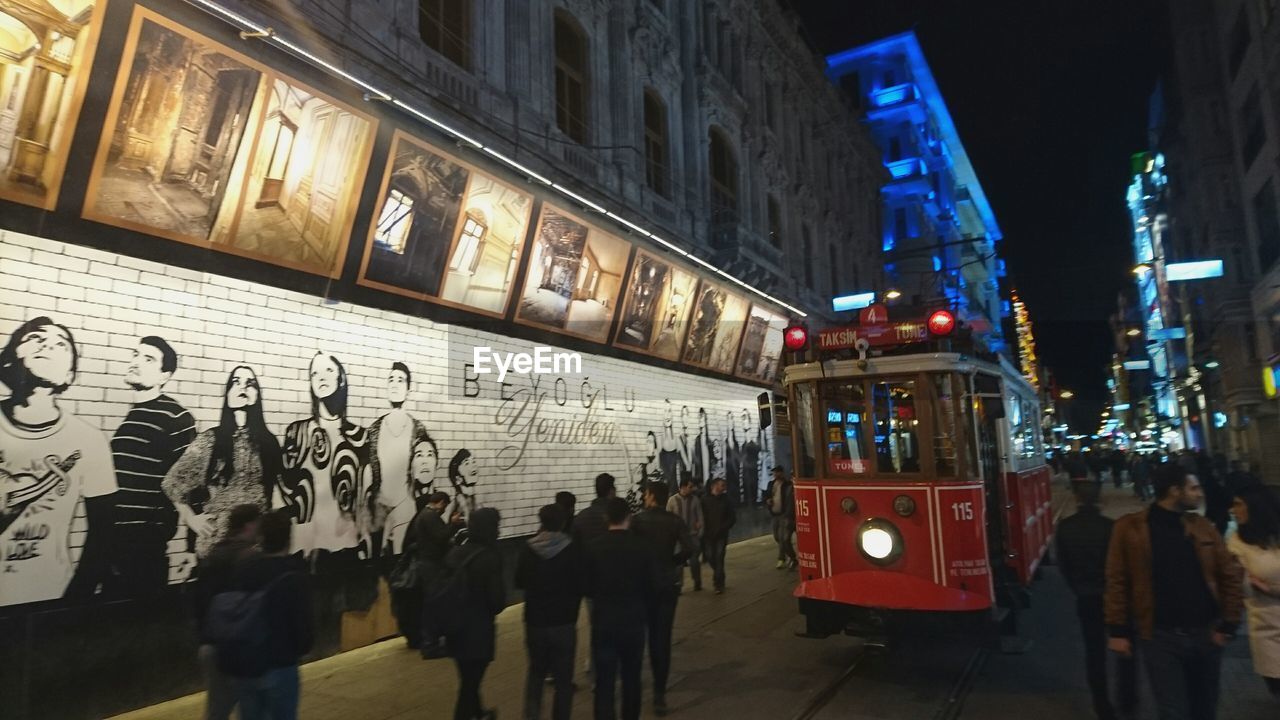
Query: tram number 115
x=962, y=510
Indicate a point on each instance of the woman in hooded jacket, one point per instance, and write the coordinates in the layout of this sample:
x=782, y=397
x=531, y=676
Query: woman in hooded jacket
x=1256, y=544
x=471, y=642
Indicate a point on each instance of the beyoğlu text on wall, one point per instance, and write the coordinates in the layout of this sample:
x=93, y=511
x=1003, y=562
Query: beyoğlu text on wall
x=226, y=279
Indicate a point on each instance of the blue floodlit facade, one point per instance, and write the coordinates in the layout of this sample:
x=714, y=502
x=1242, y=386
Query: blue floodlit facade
x=940, y=232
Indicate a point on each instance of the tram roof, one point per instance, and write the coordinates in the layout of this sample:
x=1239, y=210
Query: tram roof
x=895, y=364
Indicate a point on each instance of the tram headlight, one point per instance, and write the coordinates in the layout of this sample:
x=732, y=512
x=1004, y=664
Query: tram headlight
x=904, y=505
x=879, y=541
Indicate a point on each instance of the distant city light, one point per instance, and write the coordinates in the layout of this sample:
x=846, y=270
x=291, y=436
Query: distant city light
x=892, y=295
x=1121, y=406
x=1133, y=332
x=1212, y=365
x=1173, y=333
x=1137, y=364
x=1197, y=270
x=853, y=302
x=1141, y=269
x=1219, y=420
x=1066, y=394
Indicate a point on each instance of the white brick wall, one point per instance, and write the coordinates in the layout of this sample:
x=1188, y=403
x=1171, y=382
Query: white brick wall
x=214, y=323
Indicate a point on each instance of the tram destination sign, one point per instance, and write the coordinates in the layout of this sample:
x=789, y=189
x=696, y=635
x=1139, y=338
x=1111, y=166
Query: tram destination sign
x=898, y=333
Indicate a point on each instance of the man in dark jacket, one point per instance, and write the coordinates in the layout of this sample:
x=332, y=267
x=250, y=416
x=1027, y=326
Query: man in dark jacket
x=1082, y=541
x=216, y=574
x=668, y=539
x=287, y=611
x=718, y=516
x=432, y=539
x=620, y=577
x=471, y=642
x=549, y=572
x=590, y=523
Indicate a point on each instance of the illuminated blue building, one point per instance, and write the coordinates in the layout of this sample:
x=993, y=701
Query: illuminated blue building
x=939, y=231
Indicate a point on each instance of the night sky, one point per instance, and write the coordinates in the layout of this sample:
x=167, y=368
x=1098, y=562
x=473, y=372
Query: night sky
x=1050, y=100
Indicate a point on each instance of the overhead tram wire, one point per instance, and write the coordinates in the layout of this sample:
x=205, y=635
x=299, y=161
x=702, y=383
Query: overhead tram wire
x=252, y=29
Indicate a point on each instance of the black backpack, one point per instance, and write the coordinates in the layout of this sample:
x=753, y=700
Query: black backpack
x=447, y=598
x=236, y=624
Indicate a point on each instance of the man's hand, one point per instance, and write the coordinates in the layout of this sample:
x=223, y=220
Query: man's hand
x=202, y=524
x=1121, y=646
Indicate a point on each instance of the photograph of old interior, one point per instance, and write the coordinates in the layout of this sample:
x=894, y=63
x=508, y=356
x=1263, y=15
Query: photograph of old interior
x=417, y=214
x=574, y=277
x=656, y=307
x=761, y=353
x=718, y=317
x=46, y=51
x=207, y=148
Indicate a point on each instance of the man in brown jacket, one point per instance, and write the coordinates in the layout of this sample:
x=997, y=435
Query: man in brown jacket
x=1170, y=577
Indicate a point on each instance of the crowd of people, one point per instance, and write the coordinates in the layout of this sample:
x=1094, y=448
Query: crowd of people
x=254, y=611
x=1162, y=584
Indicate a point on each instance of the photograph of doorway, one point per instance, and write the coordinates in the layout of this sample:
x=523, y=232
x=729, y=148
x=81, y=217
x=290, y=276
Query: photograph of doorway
x=656, y=307
x=761, y=354
x=718, y=319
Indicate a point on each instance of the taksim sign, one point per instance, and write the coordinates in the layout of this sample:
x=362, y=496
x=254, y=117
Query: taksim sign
x=843, y=338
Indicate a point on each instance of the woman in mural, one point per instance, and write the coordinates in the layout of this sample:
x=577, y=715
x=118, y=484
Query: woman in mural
x=464, y=472
x=649, y=470
x=672, y=454
x=235, y=462
x=324, y=456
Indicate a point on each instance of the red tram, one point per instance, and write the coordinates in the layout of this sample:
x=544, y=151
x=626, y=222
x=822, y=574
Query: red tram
x=921, y=489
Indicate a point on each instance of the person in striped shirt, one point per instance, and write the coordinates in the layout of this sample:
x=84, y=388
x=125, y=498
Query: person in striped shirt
x=154, y=434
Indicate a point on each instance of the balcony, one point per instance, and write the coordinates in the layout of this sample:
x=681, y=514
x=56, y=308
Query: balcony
x=908, y=175
x=893, y=101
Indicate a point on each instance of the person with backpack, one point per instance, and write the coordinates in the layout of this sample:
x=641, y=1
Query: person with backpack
x=215, y=575
x=432, y=539
x=264, y=656
x=472, y=596
x=549, y=572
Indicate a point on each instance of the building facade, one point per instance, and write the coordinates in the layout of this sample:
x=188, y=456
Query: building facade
x=295, y=234
x=939, y=232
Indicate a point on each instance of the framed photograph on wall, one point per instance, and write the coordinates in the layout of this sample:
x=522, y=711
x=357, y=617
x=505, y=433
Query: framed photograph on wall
x=46, y=53
x=760, y=357
x=203, y=145
x=716, y=327
x=656, y=306
x=574, y=276
x=445, y=231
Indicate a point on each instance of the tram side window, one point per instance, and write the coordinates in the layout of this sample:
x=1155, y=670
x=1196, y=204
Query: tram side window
x=802, y=425
x=945, y=438
x=1015, y=427
x=1031, y=430
x=845, y=408
x=896, y=425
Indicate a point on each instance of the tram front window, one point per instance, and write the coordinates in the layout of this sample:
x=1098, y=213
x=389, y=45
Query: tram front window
x=896, y=427
x=845, y=408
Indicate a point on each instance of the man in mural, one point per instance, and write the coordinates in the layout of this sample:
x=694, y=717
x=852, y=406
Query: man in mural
x=750, y=459
x=154, y=434
x=464, y=473
x=704, y=451
x=390, y=503
x=733, y=461
x=324, y=456
x=671, y=454
x=50, y=461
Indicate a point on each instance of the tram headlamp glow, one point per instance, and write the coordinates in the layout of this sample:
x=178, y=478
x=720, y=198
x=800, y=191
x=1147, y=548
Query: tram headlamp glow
x=879, y=541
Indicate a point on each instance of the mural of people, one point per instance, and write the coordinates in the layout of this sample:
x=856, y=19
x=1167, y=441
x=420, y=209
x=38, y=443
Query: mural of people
x=671, y=453
x=324, y=457
x=50, y=462
x=733, y=462
x=704, y=451
x=424, y=464
x=234, y=462
x=388, y=477
x=464, y=472
x=154, y=434
x=750, y=459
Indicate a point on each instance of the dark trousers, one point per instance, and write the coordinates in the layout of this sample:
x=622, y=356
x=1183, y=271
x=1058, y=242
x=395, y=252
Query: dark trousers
x=614, y=650
x=551, y=652
x=429, y=630
x=470, y=674
x=406, y=605
x=695, y=564
x=1094, y=628
x=783, y=526
x=713, y=549
x=661, y=620
x=1183, y=667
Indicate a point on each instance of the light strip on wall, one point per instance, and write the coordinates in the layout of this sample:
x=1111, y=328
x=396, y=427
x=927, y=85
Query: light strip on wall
x=269, y=35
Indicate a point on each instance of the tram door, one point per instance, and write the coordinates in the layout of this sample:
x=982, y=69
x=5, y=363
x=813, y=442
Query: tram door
x=990, y=410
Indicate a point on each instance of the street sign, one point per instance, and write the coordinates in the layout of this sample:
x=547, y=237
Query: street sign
x=873, y=315
x=899, y=333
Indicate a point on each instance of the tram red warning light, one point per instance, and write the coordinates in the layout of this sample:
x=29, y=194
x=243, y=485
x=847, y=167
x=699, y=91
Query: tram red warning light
x=795, y=337
x=941, y=323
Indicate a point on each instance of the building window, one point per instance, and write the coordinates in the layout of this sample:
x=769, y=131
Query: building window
x=571, y=78
x=1238, y=44
x=833, y=259
x=808, y=256
x=895, y=149
x=655, y=143
x=445, y=26
x=775, y=222
x=470, y=245
x=1267, y=219
x=724, y=176
x=1253, y=132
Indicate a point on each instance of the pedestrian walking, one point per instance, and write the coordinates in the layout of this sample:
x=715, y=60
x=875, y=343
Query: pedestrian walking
x=433, y=538
x=718, y=517
x=567, y=502
x=621, y=578
x=286, y=609
x=405, y=581
x=1082, y=541
x=477, y=568
x=549, y=571
x=592, y=522
x=668, y=539
x=214, y=575
x=1140, y=473
x=1256, y=544
x=688, y=507
x=781, y=497
x=1169, y=573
